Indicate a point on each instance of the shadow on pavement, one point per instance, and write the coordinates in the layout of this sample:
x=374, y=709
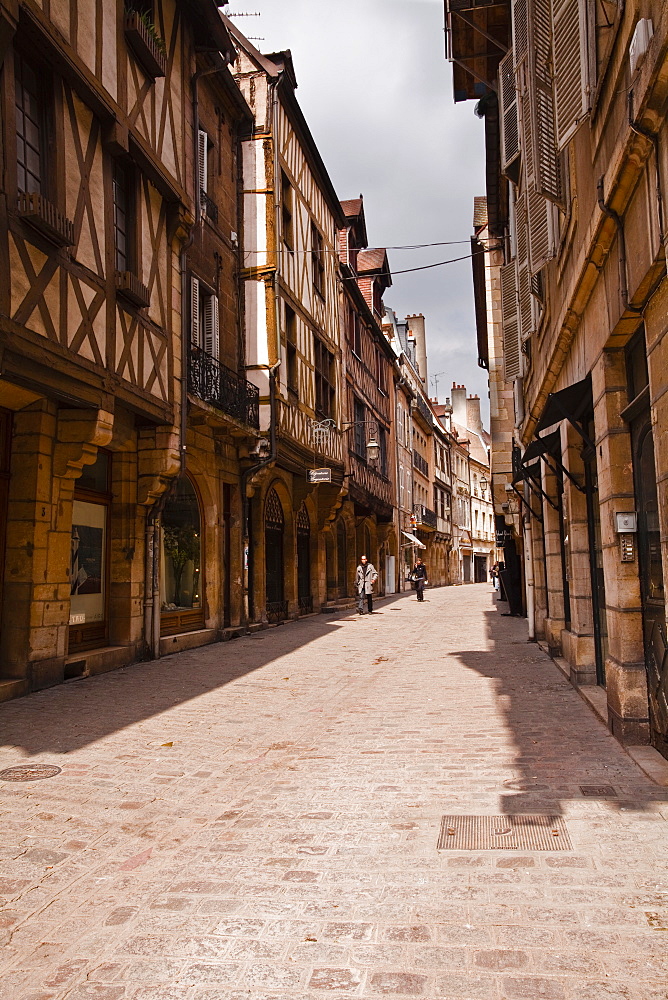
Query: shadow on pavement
x=561, y=746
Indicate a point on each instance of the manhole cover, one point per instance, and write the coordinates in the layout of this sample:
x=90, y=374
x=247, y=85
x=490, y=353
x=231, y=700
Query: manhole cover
x=503, y=833
x=598, y=791
x=29, y=772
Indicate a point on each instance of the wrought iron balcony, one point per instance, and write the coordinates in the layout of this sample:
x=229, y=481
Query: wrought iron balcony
x=209, y=207
x=424, y=517
x=424, y=410
x=420, y=463
x=220, y=386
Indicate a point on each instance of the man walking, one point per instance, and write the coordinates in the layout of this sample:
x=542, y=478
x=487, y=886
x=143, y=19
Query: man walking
x=365, y=578
x=419, y=578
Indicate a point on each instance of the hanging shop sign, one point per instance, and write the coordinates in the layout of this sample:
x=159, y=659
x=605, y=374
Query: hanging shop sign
x=319, y=475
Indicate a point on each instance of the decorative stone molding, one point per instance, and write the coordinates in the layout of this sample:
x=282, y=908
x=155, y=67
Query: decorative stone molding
x=79, y=434
x=159, y=462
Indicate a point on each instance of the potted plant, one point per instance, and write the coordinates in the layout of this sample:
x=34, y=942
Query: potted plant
x=145, y=42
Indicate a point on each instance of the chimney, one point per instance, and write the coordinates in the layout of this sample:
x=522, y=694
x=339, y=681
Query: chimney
x=459, y=406
x=473, y=419
x=416, y=331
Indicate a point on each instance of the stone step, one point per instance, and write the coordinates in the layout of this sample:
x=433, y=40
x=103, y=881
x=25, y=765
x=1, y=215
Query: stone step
x=12, y=688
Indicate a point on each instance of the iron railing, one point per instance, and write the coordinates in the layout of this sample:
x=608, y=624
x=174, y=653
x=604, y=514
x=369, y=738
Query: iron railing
x=209, y=207
x=424, y=410
x=424, y=516
x=277, y=611
x=306, y=605
x=420, y=463
x=220, y=386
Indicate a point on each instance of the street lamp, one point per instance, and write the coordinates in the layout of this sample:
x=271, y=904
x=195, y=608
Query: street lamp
x=483, y=484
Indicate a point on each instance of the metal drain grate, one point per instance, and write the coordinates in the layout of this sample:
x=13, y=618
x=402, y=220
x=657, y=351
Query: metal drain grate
x=598, y=791
x=503, y=833
x=29, y=772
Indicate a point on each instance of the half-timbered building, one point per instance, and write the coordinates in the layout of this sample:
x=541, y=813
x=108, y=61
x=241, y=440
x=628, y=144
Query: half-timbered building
x=98, y=205
x=365, y=523
x=291, y=302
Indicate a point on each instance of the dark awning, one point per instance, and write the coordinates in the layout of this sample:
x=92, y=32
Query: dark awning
x=542, y=445
x=571, y=404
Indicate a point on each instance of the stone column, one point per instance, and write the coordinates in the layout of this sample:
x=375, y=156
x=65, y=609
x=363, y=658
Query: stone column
x=556, y=619
x=625, y=674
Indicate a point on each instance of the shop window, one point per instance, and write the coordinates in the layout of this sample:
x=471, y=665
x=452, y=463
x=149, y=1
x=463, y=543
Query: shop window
x=181, y=581
x=89, y=556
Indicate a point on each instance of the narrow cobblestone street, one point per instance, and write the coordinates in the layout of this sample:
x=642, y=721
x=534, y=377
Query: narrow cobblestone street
x=259, y=820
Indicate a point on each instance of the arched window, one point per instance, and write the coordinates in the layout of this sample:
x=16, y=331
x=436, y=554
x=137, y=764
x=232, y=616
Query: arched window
x=274, y=525
x=181, y=583
x=304, y=595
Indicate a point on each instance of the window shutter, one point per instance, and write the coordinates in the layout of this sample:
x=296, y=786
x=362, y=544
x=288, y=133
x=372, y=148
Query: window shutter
x=539, y=231
x=520, y=30
x=541, y=156
x=525, y=324
x=202, y=166
x=510, y=135
x=511, y=344
x=211, y=326
x=195, y=333
x=570, y=67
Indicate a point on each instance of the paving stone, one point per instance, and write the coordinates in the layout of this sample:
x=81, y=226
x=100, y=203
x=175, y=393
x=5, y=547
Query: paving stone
x=221, y=833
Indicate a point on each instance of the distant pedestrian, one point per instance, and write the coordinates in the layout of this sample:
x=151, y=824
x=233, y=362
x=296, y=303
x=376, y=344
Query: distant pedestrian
x=365, y=577
x=494, y=573
x=419, y=578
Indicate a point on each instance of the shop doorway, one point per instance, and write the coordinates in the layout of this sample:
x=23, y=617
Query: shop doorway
x=181, y=578
x=274, y=527
x=304, y=596
x=479, y=569
x=652, y=588
x=341, y=558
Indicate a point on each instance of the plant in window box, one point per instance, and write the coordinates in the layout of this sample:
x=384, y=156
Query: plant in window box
x=181, y=546
x=145, y=42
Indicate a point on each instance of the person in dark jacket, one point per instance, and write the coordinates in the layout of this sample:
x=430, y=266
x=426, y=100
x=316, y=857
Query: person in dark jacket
x=365, y=577
x=419, y=578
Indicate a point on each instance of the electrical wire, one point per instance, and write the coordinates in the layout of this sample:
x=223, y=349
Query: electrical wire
x=426, y=267
x=408, y=246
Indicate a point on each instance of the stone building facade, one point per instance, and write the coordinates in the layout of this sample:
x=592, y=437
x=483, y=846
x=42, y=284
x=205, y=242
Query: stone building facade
x=575, y=191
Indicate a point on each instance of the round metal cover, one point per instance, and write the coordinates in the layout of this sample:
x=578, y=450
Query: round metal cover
x=29, y=772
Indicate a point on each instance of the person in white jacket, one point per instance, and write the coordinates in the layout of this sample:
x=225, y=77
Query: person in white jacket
x=365, y=577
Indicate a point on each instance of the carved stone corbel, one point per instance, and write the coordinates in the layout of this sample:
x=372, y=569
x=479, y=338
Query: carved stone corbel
x=159, y=462
x=78, y=436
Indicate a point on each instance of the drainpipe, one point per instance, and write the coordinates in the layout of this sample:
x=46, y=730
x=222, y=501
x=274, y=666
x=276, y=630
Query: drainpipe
x=528, y=567
x=623, y=279
x=247, y=475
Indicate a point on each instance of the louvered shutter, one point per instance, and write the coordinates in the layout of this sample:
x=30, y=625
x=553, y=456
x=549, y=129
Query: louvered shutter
x=570, y=66
x=202, y=167
x=211, y=326
x=510, y=323
x=523, y=270
x=548, y=172
x=520, y=29
x=539, y=231
x=510, y=136
x=195, y=332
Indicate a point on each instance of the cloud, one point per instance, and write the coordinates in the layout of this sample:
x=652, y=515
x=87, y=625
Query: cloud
x=376, y=90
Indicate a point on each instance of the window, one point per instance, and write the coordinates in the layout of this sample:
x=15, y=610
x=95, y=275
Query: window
x=181, y=575
x=359, y=428
x=355, y=333
x=380, y=371
x=29, y=128
x=382, y=441
x=89, y=555
x=317, y=259
x=286, y=212
x=401, y=485
x=122, y=218
x=324, y=379
x=291, y=349
x=204, y=319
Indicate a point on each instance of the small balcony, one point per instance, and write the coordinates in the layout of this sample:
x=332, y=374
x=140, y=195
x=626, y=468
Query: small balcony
x=424, y=411
x=424, y=517
x=420, y=463
x=223, y=388
x=146, y=43
x=38, y=212
x=209, y=207
x=131, y=288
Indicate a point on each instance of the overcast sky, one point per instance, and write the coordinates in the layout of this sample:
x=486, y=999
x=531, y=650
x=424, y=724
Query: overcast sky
x=376, y=90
